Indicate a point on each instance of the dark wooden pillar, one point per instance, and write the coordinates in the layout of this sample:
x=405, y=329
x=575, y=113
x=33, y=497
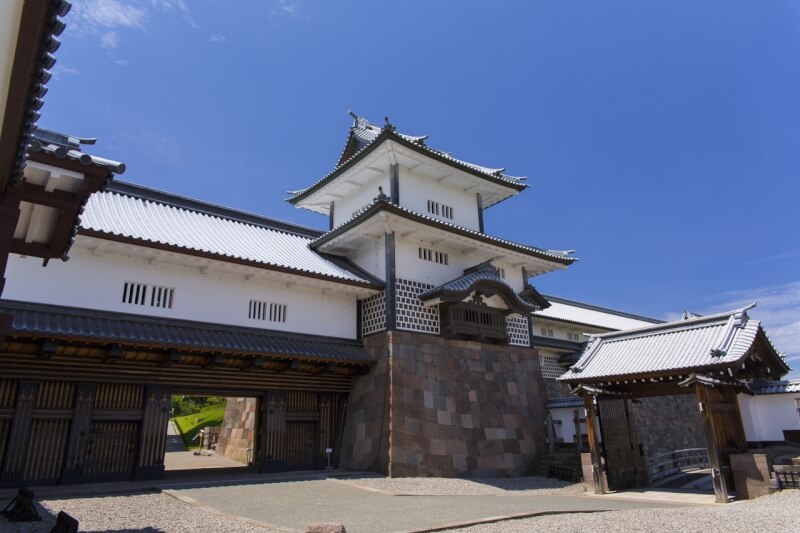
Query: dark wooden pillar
x=79, y=433
x=551, y=432
x=594, y=445
x=394, y=183
x=153, y=435
x=714, y=457
x=739, y=435
x=327, y=430
x=390, y=289
x=272, y=452
x=18, y=440
x=576, y=419
x=9, y=216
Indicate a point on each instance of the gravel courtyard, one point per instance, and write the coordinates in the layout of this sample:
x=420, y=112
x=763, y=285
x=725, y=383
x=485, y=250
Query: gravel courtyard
x=156, y=512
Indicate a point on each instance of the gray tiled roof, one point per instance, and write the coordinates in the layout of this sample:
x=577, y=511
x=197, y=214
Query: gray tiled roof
x=41, y=76
x=716, y=341
x=72, y=323
x=68, y=147
x=776, y=387
x=150, y=217
x=364, y=134
x=382, y=203
x=570, y=401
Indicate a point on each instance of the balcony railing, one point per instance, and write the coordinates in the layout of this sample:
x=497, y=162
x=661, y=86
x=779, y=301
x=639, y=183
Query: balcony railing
x=464, y=320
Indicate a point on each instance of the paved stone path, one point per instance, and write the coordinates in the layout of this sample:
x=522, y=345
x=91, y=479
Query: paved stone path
x=174, y=440
x=293, y=504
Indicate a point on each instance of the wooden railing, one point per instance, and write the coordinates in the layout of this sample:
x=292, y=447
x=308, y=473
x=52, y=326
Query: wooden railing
x=671, y=463
x=473, y=321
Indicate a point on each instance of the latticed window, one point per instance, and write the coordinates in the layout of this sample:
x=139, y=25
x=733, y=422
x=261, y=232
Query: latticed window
x=147, y=295
x=267, y=311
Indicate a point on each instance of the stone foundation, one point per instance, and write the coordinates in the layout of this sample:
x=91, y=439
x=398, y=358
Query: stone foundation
x=668, y=423
x=441, y=407
x=237, y=433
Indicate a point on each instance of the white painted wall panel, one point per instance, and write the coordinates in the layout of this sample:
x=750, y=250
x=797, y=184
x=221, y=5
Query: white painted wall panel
x=372, y=257
x=565, y=430
x=766, y=416
x=416, y=190
x=358, y=198
x=94, y=282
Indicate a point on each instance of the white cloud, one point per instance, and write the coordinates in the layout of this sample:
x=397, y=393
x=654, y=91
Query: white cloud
x=60, y=69
x=121, y=62
x=94, y=14
x=288, y=8
x=218, y=38
x=778, y=310
x=109, y=39
x=103, y=17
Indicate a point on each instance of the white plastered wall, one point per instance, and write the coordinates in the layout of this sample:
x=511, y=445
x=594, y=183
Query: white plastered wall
x=765, y=416
x=416, y=190
x=96, y=282
x=564, y=423
x=371, y=256
x=345, y=207
x=409, y=265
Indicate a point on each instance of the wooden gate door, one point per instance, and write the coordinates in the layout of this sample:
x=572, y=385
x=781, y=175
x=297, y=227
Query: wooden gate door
x=301, y=445
x=620, y=448
x=722, y=422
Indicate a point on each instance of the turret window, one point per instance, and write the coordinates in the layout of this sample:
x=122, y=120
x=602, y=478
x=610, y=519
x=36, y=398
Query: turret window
x=433, y=256
x=147, y=295
x=267, y=311
x=435, y=208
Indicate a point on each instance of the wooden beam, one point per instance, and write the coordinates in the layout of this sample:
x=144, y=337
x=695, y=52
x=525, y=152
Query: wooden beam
x=114, y=353
x=706, y=416
x=594, y=445
x=49, y=348
x=36, y=194
x=171, y=357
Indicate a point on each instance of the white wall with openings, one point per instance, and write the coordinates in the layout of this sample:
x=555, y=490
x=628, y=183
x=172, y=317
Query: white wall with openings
x=98, y=282
x=416, y=190
x=360, y=197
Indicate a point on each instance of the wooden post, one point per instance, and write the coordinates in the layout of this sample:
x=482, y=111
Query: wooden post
x=739, y=434
x=153, y=435
x=79, y=433
x=17, y=449
x=326, y=427
x=594, y=446
x=273, y=431
x=720, y=486
x=576, y=419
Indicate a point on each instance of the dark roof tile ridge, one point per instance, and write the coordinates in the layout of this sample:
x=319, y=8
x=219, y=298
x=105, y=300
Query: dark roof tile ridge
x=134, y=190
x=383, y=201
x=167, y=322
x=602, y=309
x=679, y=325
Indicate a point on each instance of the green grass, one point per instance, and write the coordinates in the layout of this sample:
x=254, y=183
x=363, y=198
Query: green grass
x=190, y=425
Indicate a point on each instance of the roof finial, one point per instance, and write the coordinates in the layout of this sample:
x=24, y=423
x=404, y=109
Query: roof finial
x=388, y=125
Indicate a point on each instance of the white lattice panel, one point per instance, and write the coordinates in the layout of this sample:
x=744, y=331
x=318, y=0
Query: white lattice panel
x=412, y=314
x=517, y=327
x=549, y=364
x=373, y=314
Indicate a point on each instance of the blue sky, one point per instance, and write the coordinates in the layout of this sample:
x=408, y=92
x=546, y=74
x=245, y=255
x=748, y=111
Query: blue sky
x=660, y=139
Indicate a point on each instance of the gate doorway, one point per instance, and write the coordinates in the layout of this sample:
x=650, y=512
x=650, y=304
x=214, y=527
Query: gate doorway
x=210, y=432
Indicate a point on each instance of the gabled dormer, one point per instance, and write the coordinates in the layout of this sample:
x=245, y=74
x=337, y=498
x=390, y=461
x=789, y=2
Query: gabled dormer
x=379, y=160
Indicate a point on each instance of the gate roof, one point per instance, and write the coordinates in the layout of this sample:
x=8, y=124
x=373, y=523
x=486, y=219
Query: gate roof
x=724, y=341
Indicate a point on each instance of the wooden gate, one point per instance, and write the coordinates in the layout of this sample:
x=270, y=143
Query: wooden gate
x=722, y=424
x=620, y=444
x=297, y=427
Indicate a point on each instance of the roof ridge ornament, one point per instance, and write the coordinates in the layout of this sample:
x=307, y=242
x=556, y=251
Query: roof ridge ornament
x=388, y=126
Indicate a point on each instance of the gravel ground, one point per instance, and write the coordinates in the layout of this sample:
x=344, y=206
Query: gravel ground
x=777, y=513
x=437, y=486
x=142, y=513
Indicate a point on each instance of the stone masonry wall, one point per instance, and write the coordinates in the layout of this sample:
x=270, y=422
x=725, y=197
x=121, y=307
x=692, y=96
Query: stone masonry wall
x=365, y=438
x=237, y=433
x=455, y=408
x=667, y=423
x=464, y=408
